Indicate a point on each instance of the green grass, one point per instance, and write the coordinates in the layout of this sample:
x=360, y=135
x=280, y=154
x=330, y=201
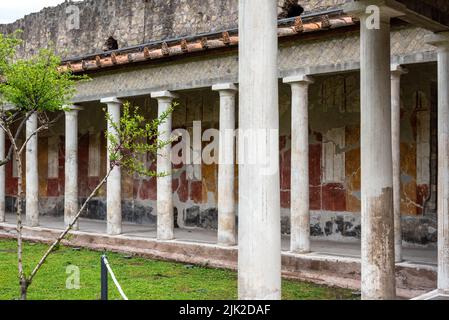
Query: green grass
x=141, y=279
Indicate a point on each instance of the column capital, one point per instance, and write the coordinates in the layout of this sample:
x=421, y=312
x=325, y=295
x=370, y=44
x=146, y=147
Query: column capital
x=388, y=8
x=72, y=107
x=440, y=39
x=164, y=95
x=398, y=70
x=228, y=87
x=111, y=100
x=300, y=79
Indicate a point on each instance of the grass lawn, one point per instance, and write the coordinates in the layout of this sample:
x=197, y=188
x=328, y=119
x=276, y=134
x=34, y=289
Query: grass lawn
x=140, y=278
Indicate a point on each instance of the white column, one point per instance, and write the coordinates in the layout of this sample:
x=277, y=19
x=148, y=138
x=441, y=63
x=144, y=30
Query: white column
x=378, y=260
x=441, y=41
x=165, y=216
x=114, y=183
x=259, y=261
x=32, y=176
x=2, y=176
x=226, y=168
x=396, y=72
x=300, y=214
x=71, y=206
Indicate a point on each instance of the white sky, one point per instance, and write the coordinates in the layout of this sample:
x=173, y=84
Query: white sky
x=11, y=10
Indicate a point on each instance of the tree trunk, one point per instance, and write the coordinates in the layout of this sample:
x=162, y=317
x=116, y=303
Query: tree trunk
x=22, y=277
x=23, y=289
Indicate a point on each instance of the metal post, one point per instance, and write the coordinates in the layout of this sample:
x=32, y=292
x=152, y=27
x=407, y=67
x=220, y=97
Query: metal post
x=104, y=279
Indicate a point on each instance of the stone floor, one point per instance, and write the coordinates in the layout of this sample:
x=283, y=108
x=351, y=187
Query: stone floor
x=419, y=255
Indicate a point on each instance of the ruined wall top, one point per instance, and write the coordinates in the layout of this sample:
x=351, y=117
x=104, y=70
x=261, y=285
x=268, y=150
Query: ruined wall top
x=130, y=22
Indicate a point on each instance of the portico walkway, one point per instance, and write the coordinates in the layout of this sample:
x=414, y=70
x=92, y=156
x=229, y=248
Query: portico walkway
x=420, y=255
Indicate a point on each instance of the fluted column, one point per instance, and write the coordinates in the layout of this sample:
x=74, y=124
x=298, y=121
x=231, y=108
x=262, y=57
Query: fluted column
x=441, y=41
x=226, y=168
x=32, y=176
x=396, y=73
x=377, y=255
x=259, y=261
x=114, y=183
x=71, y=206
x=299, y=190
x=165, y=216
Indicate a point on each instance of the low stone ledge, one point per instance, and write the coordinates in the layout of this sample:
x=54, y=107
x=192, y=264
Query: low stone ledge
x=412, y=279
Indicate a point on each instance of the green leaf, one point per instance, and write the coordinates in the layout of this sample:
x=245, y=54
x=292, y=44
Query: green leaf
x=135, y=140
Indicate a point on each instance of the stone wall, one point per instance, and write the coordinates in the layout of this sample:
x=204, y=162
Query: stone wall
x=133, y=22
x=130, y=22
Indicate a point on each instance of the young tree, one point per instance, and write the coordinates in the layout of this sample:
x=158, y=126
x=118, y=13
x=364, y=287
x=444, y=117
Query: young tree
x=38, y=87
x=35, y=88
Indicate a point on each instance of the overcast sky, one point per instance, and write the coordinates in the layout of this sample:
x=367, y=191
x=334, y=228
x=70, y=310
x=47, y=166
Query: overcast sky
x=11, y=10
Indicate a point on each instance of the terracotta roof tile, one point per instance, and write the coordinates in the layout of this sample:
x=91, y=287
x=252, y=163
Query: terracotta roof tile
x=187, y=45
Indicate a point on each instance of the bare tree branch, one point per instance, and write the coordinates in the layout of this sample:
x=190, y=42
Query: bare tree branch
x=41, y=128
x=69, y=227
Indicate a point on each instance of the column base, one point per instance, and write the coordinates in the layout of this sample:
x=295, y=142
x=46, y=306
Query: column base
x=32, y=224
x=226, y=239
x=74, y=228
x=114, y=231
x=300, y=247
x=166, y=239
x=226, y=244
x=301, y=251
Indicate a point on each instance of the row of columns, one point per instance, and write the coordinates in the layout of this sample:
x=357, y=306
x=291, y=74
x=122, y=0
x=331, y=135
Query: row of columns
x=380, y=153
x=300, y=217
x=165, y=227
x=259, y=203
